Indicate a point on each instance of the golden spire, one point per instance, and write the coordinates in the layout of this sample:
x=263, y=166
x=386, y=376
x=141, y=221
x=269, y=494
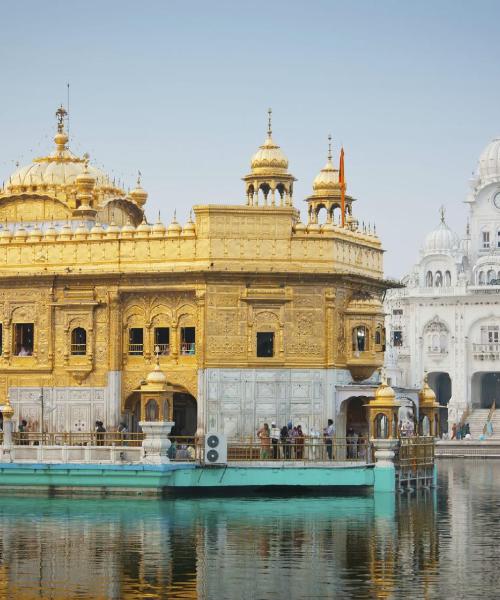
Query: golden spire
x=329, y=147
x=61, y=114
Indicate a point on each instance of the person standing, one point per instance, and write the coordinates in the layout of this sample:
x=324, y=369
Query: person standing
x=299, y=443
x=328, y=433
x=284, y=442
x=264, y=434
x=275, y=440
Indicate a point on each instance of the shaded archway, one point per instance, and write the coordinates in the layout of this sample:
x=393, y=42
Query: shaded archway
x=486, y=389
x=185, y=414
x=132, y=412
x=440, y=382
x=357, y=416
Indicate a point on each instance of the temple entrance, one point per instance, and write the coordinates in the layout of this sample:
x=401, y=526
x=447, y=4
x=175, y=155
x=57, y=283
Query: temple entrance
x=356, y=417
x=185, y=414
x=486, y=390
x=440, y=382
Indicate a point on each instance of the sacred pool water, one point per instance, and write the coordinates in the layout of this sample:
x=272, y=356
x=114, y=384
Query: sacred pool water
x=434, y=544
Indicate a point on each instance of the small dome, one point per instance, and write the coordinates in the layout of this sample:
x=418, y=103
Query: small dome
x=488, y=168
x=20, y=232
x=5, y=233
x=97, y=230
x=159, y=228
x=157, y=376
x=384, y=394
x=65, y=232
x=327, y=179
x=174, y=228
x=139, y=194
x=144, y=227
x=113, y=229
x=299, y=226
x=313, y=227
x=441, y=240
x=128, y=228
x=189, y=228
x=426, y=394
x=51, y=231
x=35, y=233
x=328, y=227
x=81, y=231
x=269, y=156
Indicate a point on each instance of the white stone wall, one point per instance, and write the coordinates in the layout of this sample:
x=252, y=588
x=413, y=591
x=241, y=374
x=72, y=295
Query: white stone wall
x=238, y=401
x=69, y=408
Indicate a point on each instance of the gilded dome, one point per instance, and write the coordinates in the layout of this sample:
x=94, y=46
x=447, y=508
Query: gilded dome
x=426, y=394
x=327, y=180
x=59, y=173
x=269, y=157
x=157, y=376
x=385, y=395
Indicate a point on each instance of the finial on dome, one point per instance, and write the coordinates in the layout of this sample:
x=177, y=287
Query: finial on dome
x=174, y=220
x=329, y=147
x=139, y=175
x=269, y=124
x=442, y=212
x=61, y=114
x=191, y=215
x=159, y=217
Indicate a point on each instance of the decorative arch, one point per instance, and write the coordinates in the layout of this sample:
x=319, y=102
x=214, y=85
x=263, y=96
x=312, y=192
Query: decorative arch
x=436, y=336
x=429, y=279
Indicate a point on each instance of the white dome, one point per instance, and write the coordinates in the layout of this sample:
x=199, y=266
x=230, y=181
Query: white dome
x=488, y=169
x=269, y=156
x=441, y=240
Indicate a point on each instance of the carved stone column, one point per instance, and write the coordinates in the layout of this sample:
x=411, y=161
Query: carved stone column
x=200, y=327
x=330, y=324
x=156, y=443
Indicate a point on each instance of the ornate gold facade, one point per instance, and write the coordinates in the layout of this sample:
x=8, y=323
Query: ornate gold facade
x=79, y=266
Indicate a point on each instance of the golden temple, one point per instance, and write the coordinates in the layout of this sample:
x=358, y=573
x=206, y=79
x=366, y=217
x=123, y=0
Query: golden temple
x=253, y=314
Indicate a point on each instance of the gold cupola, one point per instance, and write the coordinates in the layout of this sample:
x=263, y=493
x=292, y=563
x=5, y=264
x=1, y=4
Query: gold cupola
x=61, y=180
x=428, y=410
x=269, y=178
x=383, y=411
x=327, y=193
x=139, y=195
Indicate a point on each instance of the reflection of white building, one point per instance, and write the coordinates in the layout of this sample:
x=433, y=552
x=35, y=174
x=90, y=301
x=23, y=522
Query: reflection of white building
x=446, y=321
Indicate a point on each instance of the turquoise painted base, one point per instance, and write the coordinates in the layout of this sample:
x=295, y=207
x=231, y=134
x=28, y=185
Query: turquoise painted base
x=171, y=477
x=385, y=479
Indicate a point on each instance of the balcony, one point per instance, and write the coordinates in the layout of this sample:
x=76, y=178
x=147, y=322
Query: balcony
x=489, y=351
x=136, y=349
x=162, y=349
x=188, y=348
x=437, y=351
x=362, y=364
x=78, y=349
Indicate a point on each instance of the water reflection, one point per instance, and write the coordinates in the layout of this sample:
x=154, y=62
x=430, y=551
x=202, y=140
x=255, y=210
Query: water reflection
x=350, y=547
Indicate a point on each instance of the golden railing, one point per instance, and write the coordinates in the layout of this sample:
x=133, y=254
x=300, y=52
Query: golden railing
x=415, y=453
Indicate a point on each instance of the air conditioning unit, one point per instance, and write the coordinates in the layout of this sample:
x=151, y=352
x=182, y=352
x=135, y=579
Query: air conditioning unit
x=215, y=449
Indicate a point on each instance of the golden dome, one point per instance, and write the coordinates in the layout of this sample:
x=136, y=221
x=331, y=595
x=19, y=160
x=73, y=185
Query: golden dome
x=327, y=180
x=174, y=228
x=385, y=395
x=7, y=410
x=299, y=226
x=20, y=232
x=159, y=228
x=128, y=229
x=144, y=228
x=269, y=156
x=139, y=195
x=426, y=394
x=189, y=228
x=35, y=233
x=59, y=173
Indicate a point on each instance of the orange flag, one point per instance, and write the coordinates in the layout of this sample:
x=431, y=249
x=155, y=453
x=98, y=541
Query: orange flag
x=342, y=185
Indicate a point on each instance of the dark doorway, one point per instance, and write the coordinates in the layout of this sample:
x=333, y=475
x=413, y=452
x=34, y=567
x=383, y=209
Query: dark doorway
x=490, y=390
x=440, y=382
x=185, y=414
x=356, y=416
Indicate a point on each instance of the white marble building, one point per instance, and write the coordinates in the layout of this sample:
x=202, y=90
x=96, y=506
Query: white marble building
x=446, y=320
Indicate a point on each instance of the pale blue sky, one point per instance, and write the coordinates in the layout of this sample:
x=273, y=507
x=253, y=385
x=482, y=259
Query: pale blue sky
x=180, y=91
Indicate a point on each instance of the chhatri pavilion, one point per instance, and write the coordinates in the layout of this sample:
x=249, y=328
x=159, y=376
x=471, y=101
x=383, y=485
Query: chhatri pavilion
x=252, y=314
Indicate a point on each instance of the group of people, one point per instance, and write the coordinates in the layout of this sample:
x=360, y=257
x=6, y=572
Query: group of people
x=355, y=444
x=462, y=431
x=288, y=442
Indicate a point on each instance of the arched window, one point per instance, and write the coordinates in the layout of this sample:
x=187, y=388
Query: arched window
x=152, y=411
x=438, y=279
x=360, y=338
x=428, y=279
x=480, y=279
x=78, y=341
x=381, y=426
x=491, y=275
x=447, y=279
